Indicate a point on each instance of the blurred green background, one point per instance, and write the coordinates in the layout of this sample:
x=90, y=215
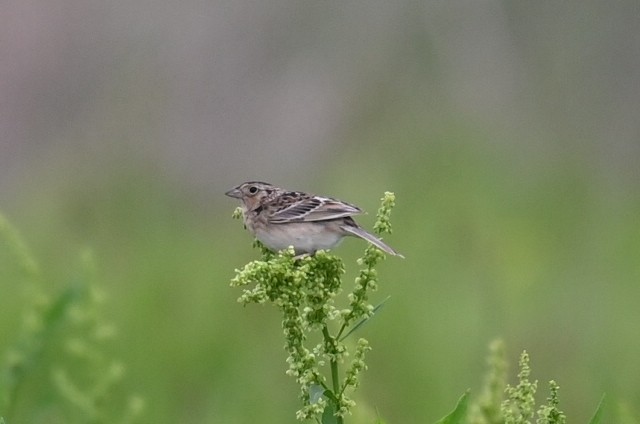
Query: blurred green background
x=509, y=132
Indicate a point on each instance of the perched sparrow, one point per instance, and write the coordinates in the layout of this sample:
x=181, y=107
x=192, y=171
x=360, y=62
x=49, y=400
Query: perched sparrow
x=280, y=218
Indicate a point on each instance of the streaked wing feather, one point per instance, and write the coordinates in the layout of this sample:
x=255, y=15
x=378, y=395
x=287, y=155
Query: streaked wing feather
x=315, y=208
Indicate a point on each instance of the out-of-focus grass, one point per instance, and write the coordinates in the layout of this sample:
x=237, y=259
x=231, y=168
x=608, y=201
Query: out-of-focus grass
x=542, y=251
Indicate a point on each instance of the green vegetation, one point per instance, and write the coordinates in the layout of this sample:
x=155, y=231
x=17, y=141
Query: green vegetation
x=547, y=260
x=57, y=369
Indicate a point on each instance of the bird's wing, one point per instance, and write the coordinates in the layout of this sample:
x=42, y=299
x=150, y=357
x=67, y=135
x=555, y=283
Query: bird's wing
x=305, y=208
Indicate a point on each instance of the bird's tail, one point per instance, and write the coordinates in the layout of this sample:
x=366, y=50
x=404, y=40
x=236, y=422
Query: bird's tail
x=359, y=232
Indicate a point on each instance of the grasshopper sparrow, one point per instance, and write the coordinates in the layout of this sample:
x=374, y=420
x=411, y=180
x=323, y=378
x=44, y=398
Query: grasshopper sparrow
x=281, y=218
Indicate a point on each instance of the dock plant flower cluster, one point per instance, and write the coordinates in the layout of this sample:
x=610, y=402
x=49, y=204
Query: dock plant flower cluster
x=305, y=290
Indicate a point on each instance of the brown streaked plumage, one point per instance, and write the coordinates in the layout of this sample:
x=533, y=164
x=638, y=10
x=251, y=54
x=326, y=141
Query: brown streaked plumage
x=281, y=218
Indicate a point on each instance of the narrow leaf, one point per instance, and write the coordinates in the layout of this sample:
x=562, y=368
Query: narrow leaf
x=459, y=413
x=329, y=395
x=597, y=416
x=59, y=308
x=361, y=322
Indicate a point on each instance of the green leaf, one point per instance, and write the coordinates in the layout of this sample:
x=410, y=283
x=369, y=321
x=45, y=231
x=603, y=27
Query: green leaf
x=597, y=416
x=378, y=420
x=364, y=320
x=459, y=413
x=317, y=392
x=329, y=395
x=328, y=416
x=57, y=311
x=31, y=345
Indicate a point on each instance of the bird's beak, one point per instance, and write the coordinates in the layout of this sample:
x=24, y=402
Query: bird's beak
x=234, y=192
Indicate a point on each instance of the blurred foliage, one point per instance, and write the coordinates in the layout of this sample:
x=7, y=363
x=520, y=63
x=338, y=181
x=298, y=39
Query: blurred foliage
x=546, y=261
x=57, y=369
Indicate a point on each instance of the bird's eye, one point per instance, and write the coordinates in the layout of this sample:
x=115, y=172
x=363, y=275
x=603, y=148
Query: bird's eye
x=253, y=189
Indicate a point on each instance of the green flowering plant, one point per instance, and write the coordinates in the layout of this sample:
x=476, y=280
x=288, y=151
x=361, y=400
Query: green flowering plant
x=519, y=406
x=501, y=403
x=549, y=413
x=68, y=326
x=304, y=290
x=488, y=408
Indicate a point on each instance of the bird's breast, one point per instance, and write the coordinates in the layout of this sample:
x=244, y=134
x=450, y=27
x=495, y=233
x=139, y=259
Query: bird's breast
x=305, y=237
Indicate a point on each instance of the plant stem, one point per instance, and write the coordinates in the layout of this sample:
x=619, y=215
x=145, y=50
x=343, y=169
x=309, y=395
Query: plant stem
x=335, y=379
x=344, y=326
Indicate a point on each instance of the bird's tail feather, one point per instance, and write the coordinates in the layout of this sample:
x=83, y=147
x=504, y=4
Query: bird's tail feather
x=359, y=232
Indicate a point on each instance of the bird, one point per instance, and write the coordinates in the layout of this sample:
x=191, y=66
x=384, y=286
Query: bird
x=281, y=218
